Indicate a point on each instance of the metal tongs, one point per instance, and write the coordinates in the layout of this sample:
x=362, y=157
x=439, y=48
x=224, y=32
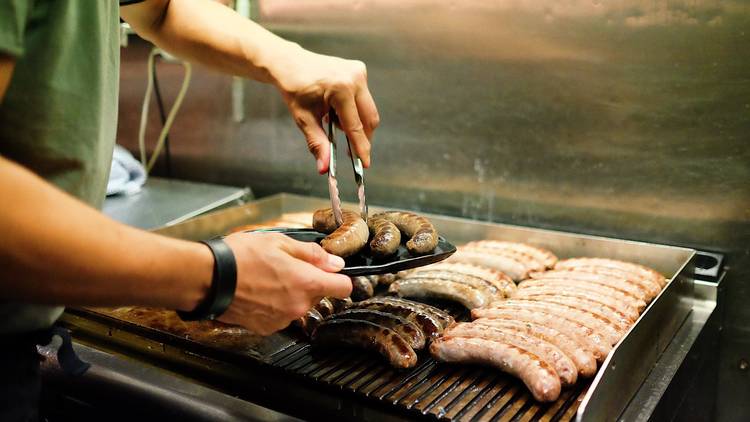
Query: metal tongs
x=359, y=173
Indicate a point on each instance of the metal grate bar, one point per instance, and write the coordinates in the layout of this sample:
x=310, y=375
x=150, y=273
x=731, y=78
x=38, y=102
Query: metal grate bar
x=480, y=402
x=436, y=379
x=391, y=390
x=499, y=402
x=443, y=405
x=293, y=356
x=466, y=398
x=441, y=391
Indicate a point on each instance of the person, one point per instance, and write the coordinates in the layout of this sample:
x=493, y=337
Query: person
x=58, y=106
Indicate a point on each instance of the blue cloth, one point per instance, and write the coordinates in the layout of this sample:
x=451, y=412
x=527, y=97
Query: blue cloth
x=127, y=175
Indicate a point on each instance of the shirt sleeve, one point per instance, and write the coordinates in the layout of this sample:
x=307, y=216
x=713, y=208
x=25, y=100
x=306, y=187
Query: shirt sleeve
x=14, y=17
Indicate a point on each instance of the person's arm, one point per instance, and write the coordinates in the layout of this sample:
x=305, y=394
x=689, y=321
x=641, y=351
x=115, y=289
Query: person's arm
x=55, y=249
x=209, y=33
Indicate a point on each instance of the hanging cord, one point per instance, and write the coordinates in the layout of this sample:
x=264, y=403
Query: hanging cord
x=148, y=162
x=163, y=118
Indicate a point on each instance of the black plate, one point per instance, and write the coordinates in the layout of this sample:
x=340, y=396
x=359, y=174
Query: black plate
x=364, y=264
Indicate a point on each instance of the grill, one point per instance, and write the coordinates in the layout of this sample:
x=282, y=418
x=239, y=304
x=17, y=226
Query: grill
x=431, y=390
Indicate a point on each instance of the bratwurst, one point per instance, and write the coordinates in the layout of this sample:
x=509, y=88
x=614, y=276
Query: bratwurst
x=423, y=237
x=385, y=236
x=345, y=240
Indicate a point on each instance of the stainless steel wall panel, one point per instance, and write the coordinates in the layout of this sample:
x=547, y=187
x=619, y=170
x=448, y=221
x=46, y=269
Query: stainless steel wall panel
x=625, y=118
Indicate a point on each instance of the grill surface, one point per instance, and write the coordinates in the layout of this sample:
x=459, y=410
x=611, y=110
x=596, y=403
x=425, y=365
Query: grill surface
x=432, y=389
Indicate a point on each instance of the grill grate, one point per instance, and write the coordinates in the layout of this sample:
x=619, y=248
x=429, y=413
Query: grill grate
x=431, y=389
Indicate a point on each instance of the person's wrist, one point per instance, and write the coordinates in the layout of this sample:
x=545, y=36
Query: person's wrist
x=199, y=272
x=223, y=284
x=281, y=64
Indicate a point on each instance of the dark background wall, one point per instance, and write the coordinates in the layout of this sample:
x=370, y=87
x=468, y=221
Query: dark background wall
x=624, y=118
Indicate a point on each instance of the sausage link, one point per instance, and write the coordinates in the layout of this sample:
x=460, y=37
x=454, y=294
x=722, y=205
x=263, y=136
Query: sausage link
x=617, y=306
x=361, y=288
x=423, y=237
x=540, y=378
x=367, y=335
x=343, y=241
x=629, y=267
x=563, y=365
x=429, y=322
x=408, y=330
x=627, y=299
x=468, y=296
x=386, y=237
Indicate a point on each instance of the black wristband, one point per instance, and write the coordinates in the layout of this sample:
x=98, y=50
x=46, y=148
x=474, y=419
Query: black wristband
x=223, y=284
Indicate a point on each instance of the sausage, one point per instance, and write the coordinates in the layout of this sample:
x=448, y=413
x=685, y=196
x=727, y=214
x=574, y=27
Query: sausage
x=385, y=236
x=485, y=257
x=547, y=258
x=635, y=269
x=584, y=336
x=649, y=285
x=367, y=335
x=609, y=330
x=443, y=317
x=309, y=322
x=343, y=241
x=430, y=324
x=423, y=237
x=563, y=365
x=531, y=263
x=500, y=283
x=617, y=306
x=469, y=296
x=386, y=279
x=340, y=304
x=325, y=307
x=582, y=358
x=618, y=283
x=408, y=330
x=487, y=289
x=619, y=321
x=361, y=288
x=626, y=298
x=540, y=378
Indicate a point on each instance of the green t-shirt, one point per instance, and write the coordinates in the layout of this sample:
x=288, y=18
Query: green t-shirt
x=58, y=117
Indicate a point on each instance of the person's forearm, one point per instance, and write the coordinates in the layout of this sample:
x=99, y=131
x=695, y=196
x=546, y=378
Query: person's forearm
x=209, y=33
x=56, y=250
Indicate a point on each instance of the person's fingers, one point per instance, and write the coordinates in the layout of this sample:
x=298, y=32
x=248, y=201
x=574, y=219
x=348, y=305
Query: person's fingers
x=315, y=136
x=346, y=108
x=368, y=112
x=314, y=254
x=327, y=284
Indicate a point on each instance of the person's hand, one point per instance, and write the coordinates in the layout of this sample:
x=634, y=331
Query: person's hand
x=313, y=83
x=279, y=279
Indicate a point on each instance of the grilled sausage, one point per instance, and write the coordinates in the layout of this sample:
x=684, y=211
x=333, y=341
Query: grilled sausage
x=423, y=237
x=361, y=288
x=309, y=322
x=581, y=357
x=343, y=241
x=601, y=325
x=585, y=336
x=499, y=283
x=562, y=364
x=485, y=257
x=627, y=299
x=367, y=335
x=340, y=304
x=629, y=267
x=647, y=284
x=408, y=330
x=540, y=378
x=622, y=310
x=547, y=258
x=386, y=237
x=437, y=276
x=325, y=307
x=528, y=261
x=611, y=282
x=469, y=296
x=428, y=321
x=443, y=317
x=386, y=279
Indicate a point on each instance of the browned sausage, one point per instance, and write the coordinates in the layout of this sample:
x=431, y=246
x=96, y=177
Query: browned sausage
x=385, y=236
x=325, y=307
x=408, y=330
x=491, y=258
x=423, y=237
x=367, y=335
x=499, y=283
x=361, y=288
x=430, y=323
x=309, y=322
x=343, y=241
x=469, y=296
x=540, y=378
